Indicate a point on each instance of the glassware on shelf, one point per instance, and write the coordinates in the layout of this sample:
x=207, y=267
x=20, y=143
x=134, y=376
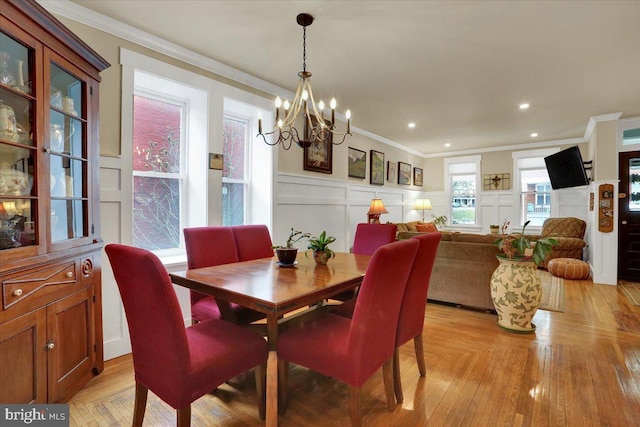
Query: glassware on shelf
x=8, y=127
x=6, y=78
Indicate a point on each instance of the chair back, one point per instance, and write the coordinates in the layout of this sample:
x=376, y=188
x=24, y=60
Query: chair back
x=370, y=237
x=414, y=300
x=158, y=337
x=252, y=242
x=564, y=227
x=375, y=317
x=207, y=246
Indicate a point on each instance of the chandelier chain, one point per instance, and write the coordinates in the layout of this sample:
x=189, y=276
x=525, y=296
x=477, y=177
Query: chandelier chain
x=304, y=48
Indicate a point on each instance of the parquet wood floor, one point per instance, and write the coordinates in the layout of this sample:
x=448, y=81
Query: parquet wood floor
x=581, y=368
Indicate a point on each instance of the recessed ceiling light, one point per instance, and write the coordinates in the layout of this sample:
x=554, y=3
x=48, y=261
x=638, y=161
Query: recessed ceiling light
x=447, y=145
x=411, y=125
x=523, y=106
x=533, y=135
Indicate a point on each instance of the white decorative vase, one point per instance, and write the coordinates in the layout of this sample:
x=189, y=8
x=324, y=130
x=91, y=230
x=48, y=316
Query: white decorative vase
x=516, y=290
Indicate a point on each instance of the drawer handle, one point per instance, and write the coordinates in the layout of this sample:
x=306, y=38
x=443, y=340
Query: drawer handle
x=51, y=345
x=69, y=274
x=17, y=292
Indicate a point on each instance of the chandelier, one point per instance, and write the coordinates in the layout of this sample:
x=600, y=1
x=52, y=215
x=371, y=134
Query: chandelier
x=316, y=128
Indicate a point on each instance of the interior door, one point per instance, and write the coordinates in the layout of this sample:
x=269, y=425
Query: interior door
x=629, y=216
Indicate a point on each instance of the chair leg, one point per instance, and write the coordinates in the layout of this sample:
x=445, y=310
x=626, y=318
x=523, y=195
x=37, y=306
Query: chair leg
x=354, y=406
x=417, y=343
x=184, y=416
x=387, y=377
x=397, y=382
x=261, y=388
x=139, y=405
x=283, y=380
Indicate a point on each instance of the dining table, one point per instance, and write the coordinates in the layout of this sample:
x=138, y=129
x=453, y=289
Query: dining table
x=276, y=290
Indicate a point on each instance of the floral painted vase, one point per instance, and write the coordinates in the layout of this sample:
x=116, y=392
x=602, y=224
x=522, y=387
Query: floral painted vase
x=516, y=290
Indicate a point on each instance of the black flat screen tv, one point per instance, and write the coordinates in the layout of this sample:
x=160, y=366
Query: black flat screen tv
x=566, y=169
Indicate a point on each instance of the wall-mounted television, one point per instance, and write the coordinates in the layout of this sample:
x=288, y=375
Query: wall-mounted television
x=566, y=169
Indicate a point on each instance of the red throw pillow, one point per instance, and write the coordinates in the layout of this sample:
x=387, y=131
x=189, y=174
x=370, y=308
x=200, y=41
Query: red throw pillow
x=427, y=227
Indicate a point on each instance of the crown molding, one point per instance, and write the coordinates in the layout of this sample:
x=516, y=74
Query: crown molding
x=601, y=118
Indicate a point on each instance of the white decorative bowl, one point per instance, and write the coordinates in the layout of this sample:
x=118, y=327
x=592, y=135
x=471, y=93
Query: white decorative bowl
x=15, y=183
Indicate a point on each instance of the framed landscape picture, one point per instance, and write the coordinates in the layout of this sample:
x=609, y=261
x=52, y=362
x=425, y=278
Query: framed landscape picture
x=357, y=163
x=376, y=168
x=404, y=173
x=319, y=156
x=392, y=171
x=417, y=176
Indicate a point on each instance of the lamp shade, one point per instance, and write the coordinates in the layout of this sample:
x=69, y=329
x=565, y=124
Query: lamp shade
x=377, y=207
x=423, y=204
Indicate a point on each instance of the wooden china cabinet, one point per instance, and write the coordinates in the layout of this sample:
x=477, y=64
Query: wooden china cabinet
x=50, y=311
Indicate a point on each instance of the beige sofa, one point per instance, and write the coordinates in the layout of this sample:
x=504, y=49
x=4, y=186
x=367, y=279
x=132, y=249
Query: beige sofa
x=463, y=268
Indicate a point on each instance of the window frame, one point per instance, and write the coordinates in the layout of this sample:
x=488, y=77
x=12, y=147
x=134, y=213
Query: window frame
x=466, y=160
x=523, y=161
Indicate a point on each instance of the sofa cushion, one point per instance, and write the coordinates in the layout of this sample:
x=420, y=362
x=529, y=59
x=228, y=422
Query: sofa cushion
x=411, y=226
x=427, y=227
x=401, y=227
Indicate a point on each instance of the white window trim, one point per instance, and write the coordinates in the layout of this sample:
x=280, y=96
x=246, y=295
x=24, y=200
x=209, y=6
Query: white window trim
x=477, y=159
x=621, y=126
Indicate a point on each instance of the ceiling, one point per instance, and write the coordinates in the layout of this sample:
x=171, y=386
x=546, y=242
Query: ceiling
x=458, y=69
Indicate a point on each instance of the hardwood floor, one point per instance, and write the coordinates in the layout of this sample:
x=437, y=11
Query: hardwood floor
x=581, y=367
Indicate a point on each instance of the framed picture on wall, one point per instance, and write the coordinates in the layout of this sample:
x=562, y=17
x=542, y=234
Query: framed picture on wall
x=404, y=173
x=318, y=157
x=357, y=163
x=392, y=171
x=376, y=168
x=417, y=176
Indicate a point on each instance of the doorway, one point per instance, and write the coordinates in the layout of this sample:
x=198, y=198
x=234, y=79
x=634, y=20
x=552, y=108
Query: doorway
x=629, y=217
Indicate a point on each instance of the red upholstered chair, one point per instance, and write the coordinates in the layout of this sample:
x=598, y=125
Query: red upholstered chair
x=370, y=237
x=367, y=239
x=351, y=350
x=178, y=364
x=414, y=301
x=207, y=246
x=252, y=242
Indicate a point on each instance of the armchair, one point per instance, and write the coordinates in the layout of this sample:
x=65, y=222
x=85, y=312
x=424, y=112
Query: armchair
x=569, y=232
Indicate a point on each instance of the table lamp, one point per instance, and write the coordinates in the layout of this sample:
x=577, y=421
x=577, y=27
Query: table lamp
x=423, y=204
x=376, y=208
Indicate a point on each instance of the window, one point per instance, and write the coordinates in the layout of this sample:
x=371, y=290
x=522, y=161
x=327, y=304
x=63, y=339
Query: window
x=235, y=176
x=158, y=172
x=462, y=176
x=534, y=186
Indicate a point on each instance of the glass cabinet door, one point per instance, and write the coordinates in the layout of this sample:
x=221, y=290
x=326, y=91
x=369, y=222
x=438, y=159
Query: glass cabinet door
x=18, y=198
x=67, y=155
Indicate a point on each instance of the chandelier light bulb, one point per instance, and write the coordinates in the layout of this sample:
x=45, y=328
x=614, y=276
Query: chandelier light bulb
x=333, y=103
x=305, y=95
x=280, y=123
x=278, y=102
x=286, y=104
x=321, y=106
x=348, y=114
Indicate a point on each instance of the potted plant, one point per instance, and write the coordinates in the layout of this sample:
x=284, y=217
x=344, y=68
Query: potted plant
x=439, y=221
x=494, y=228
x=287, y=254
x=320, y=247
x=515, y=286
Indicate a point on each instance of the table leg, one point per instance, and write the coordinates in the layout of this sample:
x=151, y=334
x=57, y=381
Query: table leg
x=272, y=371
x=272, y=390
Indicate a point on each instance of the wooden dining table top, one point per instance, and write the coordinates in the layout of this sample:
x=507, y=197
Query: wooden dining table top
x=265, y=286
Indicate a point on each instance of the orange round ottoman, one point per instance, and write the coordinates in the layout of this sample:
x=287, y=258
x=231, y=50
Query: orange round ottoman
x=568, y=268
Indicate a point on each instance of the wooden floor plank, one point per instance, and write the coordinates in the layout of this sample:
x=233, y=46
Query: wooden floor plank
x=580, y=368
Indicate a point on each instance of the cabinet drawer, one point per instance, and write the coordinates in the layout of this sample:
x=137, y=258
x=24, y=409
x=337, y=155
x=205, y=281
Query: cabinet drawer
x=40, y=286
